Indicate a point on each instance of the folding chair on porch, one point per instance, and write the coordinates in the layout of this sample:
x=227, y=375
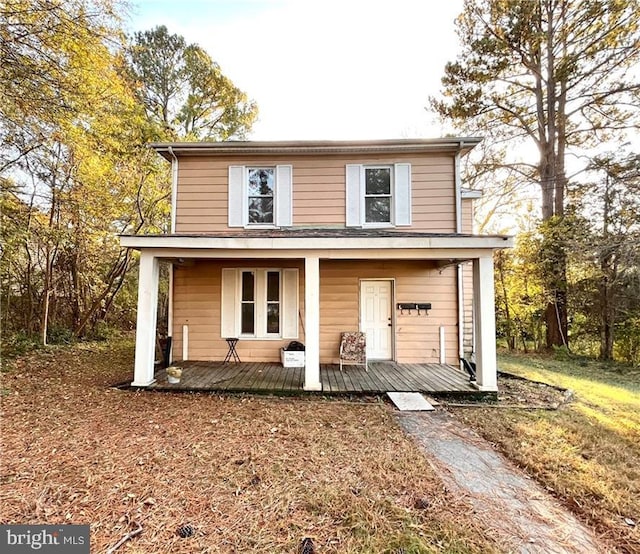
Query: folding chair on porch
x=353, y=349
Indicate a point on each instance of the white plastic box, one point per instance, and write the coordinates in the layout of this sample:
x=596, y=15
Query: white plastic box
x=291, y=358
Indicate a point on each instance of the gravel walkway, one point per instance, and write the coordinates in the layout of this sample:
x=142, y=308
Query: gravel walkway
x=524, y=517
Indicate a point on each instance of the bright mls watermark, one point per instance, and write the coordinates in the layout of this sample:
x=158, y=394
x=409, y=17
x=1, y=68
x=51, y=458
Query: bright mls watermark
x=46, y=539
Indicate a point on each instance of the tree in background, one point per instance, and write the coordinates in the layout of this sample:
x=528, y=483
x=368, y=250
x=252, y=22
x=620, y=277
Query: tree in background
x=75, y=168
x=184, y=91
x=607, y=256
x=75, y=172
x=558, y=74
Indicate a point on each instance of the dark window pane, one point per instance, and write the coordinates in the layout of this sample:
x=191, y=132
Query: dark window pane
x=273, y=318
x=261, y=182
x=248, y=325
x=378, y=210
x=261, y=210
x=247, y=286
x=273, y=286
x=378, y=181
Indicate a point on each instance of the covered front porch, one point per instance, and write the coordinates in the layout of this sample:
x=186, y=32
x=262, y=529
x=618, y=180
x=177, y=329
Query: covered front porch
x=273, y=378
x=314, y=255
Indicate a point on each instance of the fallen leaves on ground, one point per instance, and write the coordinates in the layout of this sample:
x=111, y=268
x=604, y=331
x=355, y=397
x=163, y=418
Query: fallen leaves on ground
x=208, y=473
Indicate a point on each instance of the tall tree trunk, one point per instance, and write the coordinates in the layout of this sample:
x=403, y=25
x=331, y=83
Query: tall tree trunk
x=511, y=338
x=607, y=277
x=46, y=292
x=553, y=183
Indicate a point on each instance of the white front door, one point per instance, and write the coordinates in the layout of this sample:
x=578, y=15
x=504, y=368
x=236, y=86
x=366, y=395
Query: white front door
x=375, y=318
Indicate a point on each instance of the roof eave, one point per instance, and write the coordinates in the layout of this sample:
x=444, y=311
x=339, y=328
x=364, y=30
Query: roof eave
x=315, y=148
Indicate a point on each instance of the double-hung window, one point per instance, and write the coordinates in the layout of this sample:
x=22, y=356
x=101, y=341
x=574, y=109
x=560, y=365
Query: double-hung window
x=261, y=188
x=260, y=196
x=378, y=195
x=260, y=303
x=266, y=309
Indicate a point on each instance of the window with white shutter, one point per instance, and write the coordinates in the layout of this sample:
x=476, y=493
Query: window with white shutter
x=259, y=303
x=260, y=196
x=378, y=195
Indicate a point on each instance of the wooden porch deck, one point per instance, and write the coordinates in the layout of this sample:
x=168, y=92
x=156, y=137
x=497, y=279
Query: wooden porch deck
x=274, y=378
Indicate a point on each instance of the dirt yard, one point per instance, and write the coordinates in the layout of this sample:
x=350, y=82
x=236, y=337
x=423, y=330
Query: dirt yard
x=246, y=474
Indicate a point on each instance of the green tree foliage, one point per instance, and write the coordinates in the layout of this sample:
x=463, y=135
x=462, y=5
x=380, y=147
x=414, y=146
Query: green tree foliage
x=46, y=47
x=75, y=169
x=520, y=296
x=606, y=257
x=555, y=74
x=184, y=91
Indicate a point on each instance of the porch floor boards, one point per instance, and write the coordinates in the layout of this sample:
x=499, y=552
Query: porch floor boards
x=274, y=378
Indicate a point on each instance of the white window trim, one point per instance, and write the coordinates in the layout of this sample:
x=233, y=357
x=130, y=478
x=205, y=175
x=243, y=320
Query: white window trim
x=363, y=196
x=245, y=204
x=260, y=304
x=401, y=197
x=238, y=196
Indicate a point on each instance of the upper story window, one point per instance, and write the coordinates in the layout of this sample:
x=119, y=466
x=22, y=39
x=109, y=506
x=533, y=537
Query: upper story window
x=378, y=195
x=260, y=196
x=261, y=188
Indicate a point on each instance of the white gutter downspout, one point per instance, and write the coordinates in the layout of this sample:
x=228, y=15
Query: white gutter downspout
x=458, y=192
x=174, y=200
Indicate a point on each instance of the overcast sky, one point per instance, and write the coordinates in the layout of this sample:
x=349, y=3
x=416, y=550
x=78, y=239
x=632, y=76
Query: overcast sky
x=323, y=69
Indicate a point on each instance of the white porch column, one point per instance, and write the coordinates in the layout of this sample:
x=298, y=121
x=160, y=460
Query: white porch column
x=312, y=323
x=147, y=319
x=485, y=324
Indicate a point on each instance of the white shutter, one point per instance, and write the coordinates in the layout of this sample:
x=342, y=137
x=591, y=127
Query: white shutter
x=354, y=195
x=289, y=303
x=284, y=196
x=402, y=194
x=228, y=311
x=236, y=196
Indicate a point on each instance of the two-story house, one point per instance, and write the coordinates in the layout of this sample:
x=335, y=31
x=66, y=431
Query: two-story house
x=301, y=240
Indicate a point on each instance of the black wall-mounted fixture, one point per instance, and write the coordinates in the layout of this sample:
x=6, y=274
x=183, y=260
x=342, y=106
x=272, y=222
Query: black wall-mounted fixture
x=414, y=306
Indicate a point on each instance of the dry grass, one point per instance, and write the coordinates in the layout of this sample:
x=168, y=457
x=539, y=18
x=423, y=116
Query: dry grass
x=250, y=474
x=588, y=452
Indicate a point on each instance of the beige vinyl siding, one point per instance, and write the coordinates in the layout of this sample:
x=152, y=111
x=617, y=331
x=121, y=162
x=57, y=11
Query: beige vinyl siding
x=319, y=193
x=467, y=280
x=417, y=337
x=196, y=303
x=197, y=297
x=467, y=215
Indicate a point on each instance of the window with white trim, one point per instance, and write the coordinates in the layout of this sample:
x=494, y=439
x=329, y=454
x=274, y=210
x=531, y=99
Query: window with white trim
x=260, y=196
x=261, y=188
x=259, y=303
x=378, y=195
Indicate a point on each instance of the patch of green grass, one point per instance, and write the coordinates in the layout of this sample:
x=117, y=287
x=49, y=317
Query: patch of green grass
x=586, y=453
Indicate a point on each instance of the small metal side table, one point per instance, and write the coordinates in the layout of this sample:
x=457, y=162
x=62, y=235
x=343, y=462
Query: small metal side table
x=232, y=354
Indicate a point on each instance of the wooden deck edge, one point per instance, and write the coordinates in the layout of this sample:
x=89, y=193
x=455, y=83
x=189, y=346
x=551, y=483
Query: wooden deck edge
x=476, y=395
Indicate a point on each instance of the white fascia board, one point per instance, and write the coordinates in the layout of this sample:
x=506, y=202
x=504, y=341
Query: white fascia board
x=389, y=254
x=314, y=243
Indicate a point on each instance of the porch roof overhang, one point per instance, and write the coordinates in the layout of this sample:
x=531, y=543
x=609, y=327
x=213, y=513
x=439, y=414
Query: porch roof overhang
x=326, y=244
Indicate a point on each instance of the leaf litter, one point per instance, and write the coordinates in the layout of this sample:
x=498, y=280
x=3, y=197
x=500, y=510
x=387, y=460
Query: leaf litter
x=208, y=473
